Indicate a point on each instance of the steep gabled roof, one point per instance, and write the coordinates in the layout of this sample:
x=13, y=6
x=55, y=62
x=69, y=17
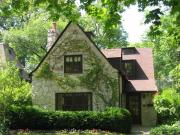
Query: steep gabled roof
x=112, y=53
x=144, y=59
x=61, y=34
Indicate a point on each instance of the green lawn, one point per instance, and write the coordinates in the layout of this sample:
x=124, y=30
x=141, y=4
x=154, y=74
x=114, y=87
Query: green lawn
x=64, y=132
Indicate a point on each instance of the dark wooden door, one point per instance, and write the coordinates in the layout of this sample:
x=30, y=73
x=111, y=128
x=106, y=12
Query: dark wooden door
x=134, y=106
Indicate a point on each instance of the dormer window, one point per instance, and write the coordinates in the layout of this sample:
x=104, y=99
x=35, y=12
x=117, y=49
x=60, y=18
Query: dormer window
x=73, y=64
x=129, y=68
x=127, y=51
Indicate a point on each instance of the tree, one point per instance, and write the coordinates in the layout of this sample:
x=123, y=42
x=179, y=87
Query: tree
x=29, y=42
x=165, y=46
x=13, y=91
x=69, y=8
x=111, y=38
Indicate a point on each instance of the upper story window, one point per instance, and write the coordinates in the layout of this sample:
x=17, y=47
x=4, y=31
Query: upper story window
x=129, y=68
x=73, y=64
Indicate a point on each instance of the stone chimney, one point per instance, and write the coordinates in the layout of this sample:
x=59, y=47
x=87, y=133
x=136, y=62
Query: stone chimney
x=52, y=35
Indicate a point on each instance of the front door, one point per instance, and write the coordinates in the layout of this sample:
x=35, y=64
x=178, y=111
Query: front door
x=134, y=106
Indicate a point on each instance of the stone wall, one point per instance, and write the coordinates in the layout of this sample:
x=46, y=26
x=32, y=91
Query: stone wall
x=74, y=42
x=148, y=114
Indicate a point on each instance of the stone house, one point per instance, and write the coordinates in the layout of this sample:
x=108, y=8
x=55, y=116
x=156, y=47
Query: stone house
x=76, y=75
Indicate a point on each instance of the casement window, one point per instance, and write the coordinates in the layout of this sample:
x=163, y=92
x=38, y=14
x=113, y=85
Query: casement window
x=73, y=64
x=74, y=101
x=129, y=68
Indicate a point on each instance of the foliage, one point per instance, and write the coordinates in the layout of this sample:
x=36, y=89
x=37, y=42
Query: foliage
x=155, y=13
x=3, y=127
x=175, y=74
x=112, y=38
x=106, y=10
x=165, y=47
x=103, y=80
x=65, y=82
x=29, y=42
x=44, y=71
x=13, y=91
x=166, y=129
x=14, y=14
x=167, y=105
x=114, y=119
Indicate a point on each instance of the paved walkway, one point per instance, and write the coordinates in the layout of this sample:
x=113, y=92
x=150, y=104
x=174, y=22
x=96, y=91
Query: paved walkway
x=139, y=130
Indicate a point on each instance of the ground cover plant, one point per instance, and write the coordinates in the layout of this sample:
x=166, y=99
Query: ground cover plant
x=65, y=132
x=173, y=129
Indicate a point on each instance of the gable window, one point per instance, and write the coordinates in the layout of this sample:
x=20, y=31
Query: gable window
x=74, y=101
x=129, y=68
x=73, y=64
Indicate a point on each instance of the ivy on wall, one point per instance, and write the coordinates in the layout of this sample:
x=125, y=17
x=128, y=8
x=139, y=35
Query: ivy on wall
x=95, y=78
x=100, y=82
x=44, y=72
x=65, y=82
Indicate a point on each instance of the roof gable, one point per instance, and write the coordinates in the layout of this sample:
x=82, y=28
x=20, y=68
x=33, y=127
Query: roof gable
x=83, y=33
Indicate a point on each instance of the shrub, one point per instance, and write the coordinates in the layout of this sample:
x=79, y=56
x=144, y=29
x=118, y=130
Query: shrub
x=13, y=91
x=166, y=129
x=113, y=119
x=167, y=105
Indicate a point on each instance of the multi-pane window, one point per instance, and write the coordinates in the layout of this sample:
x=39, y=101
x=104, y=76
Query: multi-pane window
x=74, y=101
x=73, y=64
x=129, y=68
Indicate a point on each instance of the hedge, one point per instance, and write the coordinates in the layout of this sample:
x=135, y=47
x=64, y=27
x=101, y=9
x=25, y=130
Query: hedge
x=33, y=118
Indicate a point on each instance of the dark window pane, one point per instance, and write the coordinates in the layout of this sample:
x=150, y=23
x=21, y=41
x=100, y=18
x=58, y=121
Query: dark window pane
x=129, y=68
x=127, y=51
x=73, y=101
x=73, y=64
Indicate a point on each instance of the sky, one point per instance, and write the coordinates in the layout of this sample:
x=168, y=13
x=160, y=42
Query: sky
x=132, y=21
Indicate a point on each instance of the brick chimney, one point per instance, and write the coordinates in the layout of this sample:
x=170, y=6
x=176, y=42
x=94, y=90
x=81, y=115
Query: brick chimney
x=52, y=35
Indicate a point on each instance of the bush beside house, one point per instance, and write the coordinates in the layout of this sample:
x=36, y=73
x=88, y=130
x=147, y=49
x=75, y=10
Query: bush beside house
x=112, y=119
x=167, y=105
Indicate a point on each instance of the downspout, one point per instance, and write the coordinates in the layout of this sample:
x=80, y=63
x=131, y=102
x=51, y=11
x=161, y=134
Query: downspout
x=120, y=96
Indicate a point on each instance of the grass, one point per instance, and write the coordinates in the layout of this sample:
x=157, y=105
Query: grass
x=65, y=132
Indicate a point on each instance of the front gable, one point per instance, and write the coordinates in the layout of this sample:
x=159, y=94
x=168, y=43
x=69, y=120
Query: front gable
x=73, y=41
